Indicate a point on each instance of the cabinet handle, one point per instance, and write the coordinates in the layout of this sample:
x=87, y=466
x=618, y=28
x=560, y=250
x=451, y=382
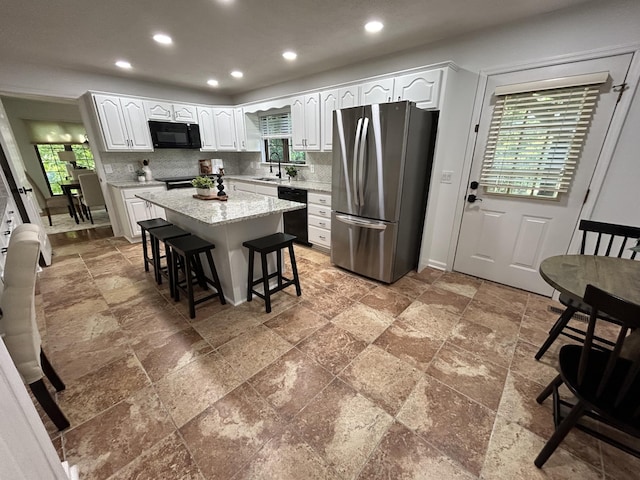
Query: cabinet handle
x=399, y=98
x=322, y=237
x=322, y=224
x=7, y=232
x=322, y=200
x=4, y=250
x=9, y=221
x=389, y=99
x=322, y=212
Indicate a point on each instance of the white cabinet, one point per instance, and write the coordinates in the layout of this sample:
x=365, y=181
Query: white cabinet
x=377, y=91
x=319, y=218
x=331, y=100
x=8, y=224
x=422, y=88
x=305, y=122
x=224, y=127
x=132, y=209
x=247, y=131
x=123, y=123
x=240, y=186
x=207, y=130
x=170, y=112
x=268, y=190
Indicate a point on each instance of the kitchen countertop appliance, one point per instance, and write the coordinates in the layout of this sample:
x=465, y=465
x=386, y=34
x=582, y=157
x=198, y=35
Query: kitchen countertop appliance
x=382, y=159
x=180, y=182
x=295, y=223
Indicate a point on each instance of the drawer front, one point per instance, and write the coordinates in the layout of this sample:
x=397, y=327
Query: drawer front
x=267, y=190
x=320, y=222
x=319, y=211
x=319, y=199
x=132, y=192
x=320, y=236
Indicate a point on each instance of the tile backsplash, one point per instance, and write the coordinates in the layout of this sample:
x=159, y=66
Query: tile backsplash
x=176, y=162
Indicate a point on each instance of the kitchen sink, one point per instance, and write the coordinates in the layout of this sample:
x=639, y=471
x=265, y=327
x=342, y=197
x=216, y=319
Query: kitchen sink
x=267, y=179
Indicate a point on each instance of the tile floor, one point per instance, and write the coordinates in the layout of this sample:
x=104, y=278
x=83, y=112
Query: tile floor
x=431, y=377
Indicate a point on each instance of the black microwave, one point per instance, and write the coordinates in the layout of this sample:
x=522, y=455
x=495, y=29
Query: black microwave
x=175, y=135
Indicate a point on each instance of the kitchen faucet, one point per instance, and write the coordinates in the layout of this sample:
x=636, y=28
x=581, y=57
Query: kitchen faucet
x=279, y=174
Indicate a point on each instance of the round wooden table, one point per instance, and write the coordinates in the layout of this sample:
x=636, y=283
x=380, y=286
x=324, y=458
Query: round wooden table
x=570, y=274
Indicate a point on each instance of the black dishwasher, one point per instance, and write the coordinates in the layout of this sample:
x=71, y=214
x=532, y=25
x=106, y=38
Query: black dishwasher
x=295, y=223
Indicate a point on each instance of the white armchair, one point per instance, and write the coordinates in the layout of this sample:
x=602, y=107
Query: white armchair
x=18, y=323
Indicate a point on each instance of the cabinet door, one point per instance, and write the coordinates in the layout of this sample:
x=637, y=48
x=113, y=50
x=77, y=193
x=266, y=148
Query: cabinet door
x=156, y=212
x=224, y=128
x=297, y=123
x=244, y=186
x=348, y=97
x=207, y=133
x=422, y=88
x=162, y=111
x=378, y=91
x=241, y=132
x=312, y=121
x=185, y=113
x=136, y=211
x=328, y=103
x=114, y=132
x=135, y=120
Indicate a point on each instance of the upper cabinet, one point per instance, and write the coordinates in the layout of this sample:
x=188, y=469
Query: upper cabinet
x=224, y=127
x=247, y=131
x=331, y=100
x=377, y=91
x=422, y=88
x=305, y=122
x=170, y=112
x=123, y=122
x=207, y=133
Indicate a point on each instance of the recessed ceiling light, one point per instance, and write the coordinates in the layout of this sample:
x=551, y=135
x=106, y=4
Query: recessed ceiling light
x=123, y=64
x=289, y=55
x=373, y=26
x=212, y=82
x=237, y=74
x=163, y=39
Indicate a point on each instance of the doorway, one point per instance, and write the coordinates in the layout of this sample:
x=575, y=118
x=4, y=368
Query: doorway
x=503, y=238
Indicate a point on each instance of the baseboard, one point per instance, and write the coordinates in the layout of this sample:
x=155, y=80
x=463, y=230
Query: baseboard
x=437, y=265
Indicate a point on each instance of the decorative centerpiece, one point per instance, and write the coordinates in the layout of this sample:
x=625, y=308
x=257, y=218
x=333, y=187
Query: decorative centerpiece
x=203, y=186
x=147, y=171
x=292, y=172
x=220, y=174
x=141, y=176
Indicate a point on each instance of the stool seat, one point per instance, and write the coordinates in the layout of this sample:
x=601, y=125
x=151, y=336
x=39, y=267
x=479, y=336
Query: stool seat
x=185, y=253
x=162, y=234
x=145, y=226
x=264, y=246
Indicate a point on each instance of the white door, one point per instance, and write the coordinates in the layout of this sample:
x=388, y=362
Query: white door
x=24, y=193
x=504, y=238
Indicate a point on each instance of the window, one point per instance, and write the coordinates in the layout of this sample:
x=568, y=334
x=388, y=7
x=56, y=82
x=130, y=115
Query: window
x=55, y=169
x=276, y=135
x=535, y=140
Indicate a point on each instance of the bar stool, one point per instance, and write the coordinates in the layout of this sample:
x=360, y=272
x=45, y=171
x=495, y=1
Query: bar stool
x=162, y=234
x=265, y=245
x=185, y=256
x=145, y=226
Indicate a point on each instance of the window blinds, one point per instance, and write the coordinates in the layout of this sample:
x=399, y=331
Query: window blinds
x=535, y=139
x=276, y=125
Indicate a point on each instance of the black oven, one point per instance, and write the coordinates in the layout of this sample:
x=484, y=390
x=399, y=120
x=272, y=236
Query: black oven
x=174, y=135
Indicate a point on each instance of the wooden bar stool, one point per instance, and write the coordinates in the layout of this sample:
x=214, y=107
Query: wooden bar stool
x=185, y=255
x=145, y=226
x=162, y=234
x=264, y=246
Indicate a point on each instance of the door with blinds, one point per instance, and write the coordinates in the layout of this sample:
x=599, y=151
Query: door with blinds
x=540, y=134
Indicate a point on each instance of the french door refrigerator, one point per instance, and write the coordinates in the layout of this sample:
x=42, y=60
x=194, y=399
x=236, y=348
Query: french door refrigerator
x=382, y=157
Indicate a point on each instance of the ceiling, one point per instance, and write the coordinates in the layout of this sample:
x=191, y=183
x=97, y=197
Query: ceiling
x=213, y=37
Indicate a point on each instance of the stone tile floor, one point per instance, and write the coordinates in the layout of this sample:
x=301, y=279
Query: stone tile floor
x=431, y=377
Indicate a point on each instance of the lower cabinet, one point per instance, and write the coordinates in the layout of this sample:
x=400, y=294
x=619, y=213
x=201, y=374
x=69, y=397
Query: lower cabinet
x=133, y=209
x=319, y=218
x=9, y=222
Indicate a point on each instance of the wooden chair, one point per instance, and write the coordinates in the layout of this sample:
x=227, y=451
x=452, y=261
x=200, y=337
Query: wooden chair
x=91, y=192
x=47, y=203
x=604, y=239
x=605, y=383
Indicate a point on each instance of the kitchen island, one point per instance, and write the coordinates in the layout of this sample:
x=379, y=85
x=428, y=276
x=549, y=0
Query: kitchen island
x=244, y=216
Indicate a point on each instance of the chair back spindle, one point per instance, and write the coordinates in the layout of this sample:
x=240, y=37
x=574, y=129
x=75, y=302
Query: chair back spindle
x=613, y=238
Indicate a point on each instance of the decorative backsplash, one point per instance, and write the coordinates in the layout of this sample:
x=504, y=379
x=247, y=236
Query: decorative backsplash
x=176, y=163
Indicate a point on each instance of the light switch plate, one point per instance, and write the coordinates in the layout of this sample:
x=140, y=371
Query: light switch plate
x=446, y=176
x=130, y=167
x=108, y=168
x=311, y=169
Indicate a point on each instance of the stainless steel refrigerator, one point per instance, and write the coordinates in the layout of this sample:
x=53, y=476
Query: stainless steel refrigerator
x=382, y=157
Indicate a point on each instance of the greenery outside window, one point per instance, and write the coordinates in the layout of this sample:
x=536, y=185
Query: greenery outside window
x=275, y=130
x=55, y=170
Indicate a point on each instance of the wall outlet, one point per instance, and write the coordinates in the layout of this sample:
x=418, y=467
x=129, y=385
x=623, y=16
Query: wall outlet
x=446, y=176
x=130, y=167
x=108, y=168
x=311, y=169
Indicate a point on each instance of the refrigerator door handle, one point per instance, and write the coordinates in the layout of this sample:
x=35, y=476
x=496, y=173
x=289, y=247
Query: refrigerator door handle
x=361, y=164
x=356, y=145
x=359, y=222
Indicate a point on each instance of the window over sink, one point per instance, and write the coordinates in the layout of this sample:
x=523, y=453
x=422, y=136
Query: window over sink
x=275, y=130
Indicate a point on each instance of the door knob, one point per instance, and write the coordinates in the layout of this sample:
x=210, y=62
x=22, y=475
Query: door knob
x=474, y=185
x=471, y=198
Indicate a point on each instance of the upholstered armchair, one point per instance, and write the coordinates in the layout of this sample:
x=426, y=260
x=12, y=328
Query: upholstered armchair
x=18, y=323
x=91, y=193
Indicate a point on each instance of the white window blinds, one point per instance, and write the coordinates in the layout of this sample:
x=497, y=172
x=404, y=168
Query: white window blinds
x=276, y=125
x=535, y=140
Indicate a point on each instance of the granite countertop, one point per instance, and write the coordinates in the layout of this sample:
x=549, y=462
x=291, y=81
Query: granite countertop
x=314, y=186
x=134, y=184
x=240, y=206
